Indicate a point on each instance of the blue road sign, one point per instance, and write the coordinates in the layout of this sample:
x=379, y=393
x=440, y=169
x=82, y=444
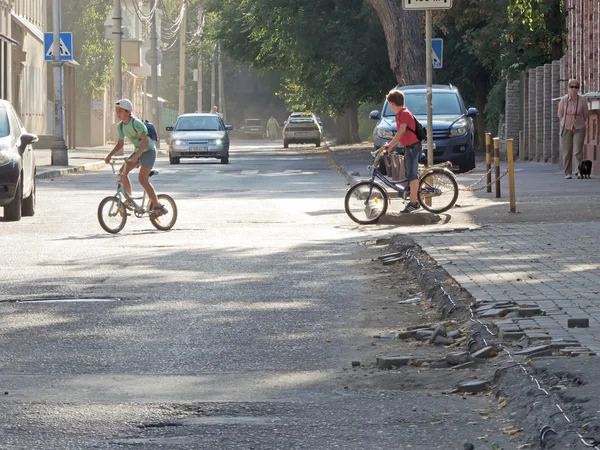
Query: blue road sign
x=437, y=50
x=66, y=46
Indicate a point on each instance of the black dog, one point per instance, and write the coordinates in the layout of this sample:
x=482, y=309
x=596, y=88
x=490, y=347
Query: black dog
x=585, y=169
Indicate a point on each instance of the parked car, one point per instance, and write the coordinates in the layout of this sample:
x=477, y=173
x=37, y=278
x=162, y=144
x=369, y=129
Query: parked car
x=302, y=128
x=17, y=165
x=199, y=135
x=254, y=128
x=453, y=129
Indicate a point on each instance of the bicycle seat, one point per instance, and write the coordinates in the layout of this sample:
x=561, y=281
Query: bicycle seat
x=153, y=172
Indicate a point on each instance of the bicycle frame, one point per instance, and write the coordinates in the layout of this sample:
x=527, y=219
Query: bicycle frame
x=121, y=193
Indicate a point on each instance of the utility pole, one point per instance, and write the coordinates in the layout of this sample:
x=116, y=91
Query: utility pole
x=221, y=83
x=59, y=155
x=213, y=77
x=200, y=67
x=182, y=32
x=116, y=31
x=154, y=73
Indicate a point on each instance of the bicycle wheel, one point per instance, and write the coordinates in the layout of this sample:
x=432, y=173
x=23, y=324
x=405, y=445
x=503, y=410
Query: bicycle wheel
x=438, y=190
x=166, y=221
x=112, y=215
x=364, y=208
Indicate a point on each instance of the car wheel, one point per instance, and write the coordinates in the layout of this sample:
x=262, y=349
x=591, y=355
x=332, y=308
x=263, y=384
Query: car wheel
x=28, y=207
x=12, y=211
x=285, y=144
x=173, y=159
x=469, y=163
x=225, y=160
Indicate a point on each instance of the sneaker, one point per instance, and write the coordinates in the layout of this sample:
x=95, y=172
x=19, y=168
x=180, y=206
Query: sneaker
x=568, y=177
x=158, y=211
x=410, y=207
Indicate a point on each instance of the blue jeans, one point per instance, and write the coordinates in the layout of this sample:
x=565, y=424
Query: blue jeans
x=411, y=161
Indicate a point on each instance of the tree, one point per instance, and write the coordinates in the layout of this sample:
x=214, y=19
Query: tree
x=405, y=40
x=332, y=52
x=85, y=19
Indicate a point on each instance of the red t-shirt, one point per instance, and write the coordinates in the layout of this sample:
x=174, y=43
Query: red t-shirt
x=409, y=137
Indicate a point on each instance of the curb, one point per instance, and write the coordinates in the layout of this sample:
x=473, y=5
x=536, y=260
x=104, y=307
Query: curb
x=54, y=173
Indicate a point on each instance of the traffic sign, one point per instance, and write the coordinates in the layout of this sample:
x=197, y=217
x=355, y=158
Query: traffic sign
x=66, y=46
x=437, y=50
x=427, y=4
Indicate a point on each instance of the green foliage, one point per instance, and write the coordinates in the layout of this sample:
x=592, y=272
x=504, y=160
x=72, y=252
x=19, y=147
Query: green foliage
x=85, y=19
x=331, y=52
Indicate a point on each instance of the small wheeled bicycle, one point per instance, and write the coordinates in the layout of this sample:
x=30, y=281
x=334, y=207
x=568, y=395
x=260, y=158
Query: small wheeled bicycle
x=113, y=211
x=367, y=201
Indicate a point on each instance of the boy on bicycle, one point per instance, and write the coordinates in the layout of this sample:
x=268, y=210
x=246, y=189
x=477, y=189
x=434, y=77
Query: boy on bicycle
x=144, y=154
x=405, y=135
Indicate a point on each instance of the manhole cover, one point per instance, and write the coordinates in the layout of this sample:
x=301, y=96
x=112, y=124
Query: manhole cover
x=67, y=300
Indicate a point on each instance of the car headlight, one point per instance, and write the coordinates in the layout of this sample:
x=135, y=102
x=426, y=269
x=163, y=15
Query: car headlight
x=215, y=141
x=179, y=142
x=4, y=157
x=383, y=133
x=459, y=128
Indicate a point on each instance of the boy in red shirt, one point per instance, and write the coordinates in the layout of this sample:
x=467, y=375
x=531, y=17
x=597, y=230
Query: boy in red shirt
x=405, y=135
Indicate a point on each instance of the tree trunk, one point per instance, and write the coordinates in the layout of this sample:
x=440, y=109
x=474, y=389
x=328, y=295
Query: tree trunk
x=405, y=41
x=481, y=90
x=347, y=125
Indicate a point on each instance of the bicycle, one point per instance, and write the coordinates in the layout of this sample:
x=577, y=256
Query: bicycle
x=367, y=201
x=113, y=210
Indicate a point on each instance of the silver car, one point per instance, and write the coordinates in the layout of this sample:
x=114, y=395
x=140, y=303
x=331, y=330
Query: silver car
x=302, y=128
x=199, y=135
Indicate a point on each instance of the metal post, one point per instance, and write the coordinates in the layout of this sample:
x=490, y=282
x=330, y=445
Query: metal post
x=59, y=153
x=511, y=176
x=154, y=74
x=221, y=84
x=199, y=92
x=116, y=31
x=213, y=78
x=182, y=32
x=488, y=160
x=428, y=71
x=497, y=165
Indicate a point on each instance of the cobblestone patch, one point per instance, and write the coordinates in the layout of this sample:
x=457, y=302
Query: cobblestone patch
x=552, y=270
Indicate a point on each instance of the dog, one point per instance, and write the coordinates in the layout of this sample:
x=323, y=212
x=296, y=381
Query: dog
x=585, y=169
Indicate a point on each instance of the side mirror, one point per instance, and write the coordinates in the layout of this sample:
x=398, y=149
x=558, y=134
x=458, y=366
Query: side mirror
x=229, y=127
x=374, y=115
x=169, y=128
x=472, y=112
x=28, y=138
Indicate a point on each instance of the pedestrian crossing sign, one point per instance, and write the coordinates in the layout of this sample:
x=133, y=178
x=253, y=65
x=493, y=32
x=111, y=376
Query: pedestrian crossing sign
x=66, y=46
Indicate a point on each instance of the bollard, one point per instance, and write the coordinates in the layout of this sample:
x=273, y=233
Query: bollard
x=511, y=176
x=488, y=160
x=497, y=165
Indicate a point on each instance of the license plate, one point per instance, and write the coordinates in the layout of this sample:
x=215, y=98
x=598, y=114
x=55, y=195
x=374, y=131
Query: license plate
x=302, y=133
x=198, y=149
x=253, y=129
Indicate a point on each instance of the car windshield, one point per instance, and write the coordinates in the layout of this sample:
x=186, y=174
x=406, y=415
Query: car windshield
x=4, y=128
x=199, y=123
x=442, y=103
x=254, y=122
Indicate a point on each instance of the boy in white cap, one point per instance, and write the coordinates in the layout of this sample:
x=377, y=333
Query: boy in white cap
x=144, y=153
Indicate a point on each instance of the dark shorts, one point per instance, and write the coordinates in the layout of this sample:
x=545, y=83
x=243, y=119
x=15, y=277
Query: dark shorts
x=411, y=161
x=147, y=159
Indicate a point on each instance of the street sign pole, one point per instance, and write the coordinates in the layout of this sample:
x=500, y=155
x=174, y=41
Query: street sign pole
x=59, y=155
x=429, y=76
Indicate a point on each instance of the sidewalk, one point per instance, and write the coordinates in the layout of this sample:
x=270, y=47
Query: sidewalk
x=80, y=160
x=544, y=258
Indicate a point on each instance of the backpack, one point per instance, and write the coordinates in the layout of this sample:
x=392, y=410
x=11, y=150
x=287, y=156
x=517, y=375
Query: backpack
x=419, y=131
x=151, y=130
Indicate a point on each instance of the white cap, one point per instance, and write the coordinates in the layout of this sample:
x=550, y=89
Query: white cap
x=125, y=104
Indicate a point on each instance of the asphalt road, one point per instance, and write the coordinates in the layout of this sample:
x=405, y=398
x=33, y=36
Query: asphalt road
x=228, y=332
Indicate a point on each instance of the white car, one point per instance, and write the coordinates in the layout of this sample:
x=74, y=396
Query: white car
x=302, y=128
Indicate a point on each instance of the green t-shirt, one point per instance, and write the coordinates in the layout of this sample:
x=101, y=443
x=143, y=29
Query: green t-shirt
x=133, y=130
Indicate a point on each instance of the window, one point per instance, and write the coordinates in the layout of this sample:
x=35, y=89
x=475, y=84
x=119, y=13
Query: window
x=4, y=128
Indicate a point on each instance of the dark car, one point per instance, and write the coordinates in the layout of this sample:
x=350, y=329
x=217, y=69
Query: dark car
x=17, y=165
x=254, y=128
x=453, y=129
